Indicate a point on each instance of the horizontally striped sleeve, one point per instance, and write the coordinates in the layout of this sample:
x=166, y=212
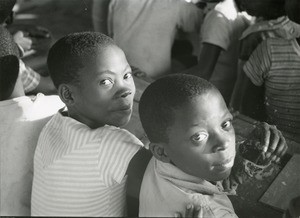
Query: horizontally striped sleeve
x=259, y=63
x=117, y=149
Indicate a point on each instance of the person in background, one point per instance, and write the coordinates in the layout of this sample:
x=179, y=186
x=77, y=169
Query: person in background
x=218, y=56
x=274, y=65
x=146, y=30
x=193, y=143
x=268, y=24
x=22, y=119
x=32, y=81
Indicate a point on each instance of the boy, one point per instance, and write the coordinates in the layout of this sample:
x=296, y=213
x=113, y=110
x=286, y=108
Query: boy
x=193, y=142
x=22, y=119
x=82, y=156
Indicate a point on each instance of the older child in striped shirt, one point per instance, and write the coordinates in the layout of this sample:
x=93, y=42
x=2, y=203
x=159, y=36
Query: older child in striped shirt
x=82, y=155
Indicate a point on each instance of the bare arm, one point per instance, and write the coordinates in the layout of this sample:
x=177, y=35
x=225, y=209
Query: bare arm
x=208, y=58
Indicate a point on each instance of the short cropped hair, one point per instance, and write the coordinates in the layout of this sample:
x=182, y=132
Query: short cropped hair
x=267, y=9
x=65, y=57
x=6, y=7
x=292, y=8
x=9, y=63
x=158, y=101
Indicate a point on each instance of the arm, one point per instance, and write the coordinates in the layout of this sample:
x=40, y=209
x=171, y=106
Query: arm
x=208, y=57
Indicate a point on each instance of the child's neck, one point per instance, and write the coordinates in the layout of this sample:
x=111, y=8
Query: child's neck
x=298, y=41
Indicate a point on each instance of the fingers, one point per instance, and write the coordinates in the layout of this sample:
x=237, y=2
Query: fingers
x=281, y=148
x=198, y=212
x=265, y=137
x=273, y=142
x=189, y=211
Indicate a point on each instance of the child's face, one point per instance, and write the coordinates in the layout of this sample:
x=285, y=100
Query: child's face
x=202, y=139
x=106, y=89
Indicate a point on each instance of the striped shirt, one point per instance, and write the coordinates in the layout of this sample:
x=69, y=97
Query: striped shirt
x=276, y=64
x=30, y=78
x=79, y=171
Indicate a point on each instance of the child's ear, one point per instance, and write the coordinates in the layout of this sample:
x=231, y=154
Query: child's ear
x=65, y=94
x=159, y=152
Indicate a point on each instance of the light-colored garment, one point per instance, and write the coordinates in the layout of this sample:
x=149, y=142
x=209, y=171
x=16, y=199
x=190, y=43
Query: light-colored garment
x=166, y=190
x=80, y=171
x=22, y=120
x=30, y=78
x=276, y=64
x=146, y=30
x=223, y=27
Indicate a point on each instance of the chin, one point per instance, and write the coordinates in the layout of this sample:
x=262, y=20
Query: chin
x=122, y=122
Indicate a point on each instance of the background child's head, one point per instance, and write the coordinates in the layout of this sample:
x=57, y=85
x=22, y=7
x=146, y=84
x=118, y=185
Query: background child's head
x=9, y=64
x=93, y=79
x=266, y=9
x=189, y=125
x=292, y=8
x=6, y=7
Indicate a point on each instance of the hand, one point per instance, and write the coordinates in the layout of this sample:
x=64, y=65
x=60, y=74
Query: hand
x=190, y=211
x=22, y=40
x=272, y=141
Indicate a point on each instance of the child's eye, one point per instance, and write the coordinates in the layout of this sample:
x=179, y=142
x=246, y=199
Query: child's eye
x=227, y=124
x=127, y=75
x=106, y=82
x=198, y=137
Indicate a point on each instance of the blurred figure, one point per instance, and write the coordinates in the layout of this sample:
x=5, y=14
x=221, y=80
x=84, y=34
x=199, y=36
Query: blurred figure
x=146, y=30
x=218, y=57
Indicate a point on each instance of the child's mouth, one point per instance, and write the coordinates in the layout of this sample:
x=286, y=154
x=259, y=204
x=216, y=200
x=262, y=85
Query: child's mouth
x=228, y=163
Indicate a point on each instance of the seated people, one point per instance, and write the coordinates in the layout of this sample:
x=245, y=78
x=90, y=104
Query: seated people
x=22, y=119
x=193, y=143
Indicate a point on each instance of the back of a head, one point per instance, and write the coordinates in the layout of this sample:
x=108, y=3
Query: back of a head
x=292, y=8
x=6, y=7
x=65, y=57
x=9, y=64
x=163, y=96
x=267, y=9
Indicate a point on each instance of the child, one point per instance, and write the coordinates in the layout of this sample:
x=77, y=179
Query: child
x=82, y=156
x=268, y=24
x=274, y=65
x=271, y=23
x=32, y=81
x=193, y=142
x=22, y=119
x=218, y=56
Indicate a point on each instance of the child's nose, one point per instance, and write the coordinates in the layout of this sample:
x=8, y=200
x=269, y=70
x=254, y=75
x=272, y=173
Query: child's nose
x=221, y=142
x=125, y=94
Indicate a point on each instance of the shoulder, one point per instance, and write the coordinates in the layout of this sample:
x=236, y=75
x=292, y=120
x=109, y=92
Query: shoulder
x=119, y=136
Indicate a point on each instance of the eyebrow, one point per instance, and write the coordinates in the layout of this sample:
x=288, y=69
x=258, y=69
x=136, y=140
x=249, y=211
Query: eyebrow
x=227, y=114
x=111, y=72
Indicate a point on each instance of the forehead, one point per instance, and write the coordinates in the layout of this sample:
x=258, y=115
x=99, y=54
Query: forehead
x=110, y=58
x=205, y=107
